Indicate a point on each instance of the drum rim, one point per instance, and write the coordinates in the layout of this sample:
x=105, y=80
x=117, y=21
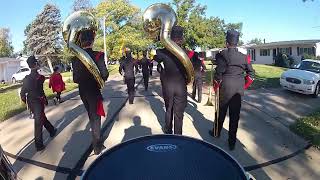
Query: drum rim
x=159, y=136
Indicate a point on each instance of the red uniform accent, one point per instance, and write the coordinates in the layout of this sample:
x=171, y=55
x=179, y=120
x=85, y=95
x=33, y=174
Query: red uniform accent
x=249, y=81
x=216, y=85
x=249, y=59
x=56, y=83
x=98, y=55
x=190, y=54
x=100, y=109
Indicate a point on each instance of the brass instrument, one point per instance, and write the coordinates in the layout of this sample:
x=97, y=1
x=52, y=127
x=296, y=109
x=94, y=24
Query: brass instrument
x=216, y=112
x=72, y=26
x=158, y=20
x=209, y=102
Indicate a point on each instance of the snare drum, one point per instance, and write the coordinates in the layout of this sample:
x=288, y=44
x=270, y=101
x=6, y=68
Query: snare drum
x=6, y=170
x=160, y=157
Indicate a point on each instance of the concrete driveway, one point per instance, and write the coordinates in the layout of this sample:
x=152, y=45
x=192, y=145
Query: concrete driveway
x=266, y=147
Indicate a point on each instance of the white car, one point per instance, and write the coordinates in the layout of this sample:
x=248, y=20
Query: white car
x=19, y=75
x=304, y=79
x=23, y=72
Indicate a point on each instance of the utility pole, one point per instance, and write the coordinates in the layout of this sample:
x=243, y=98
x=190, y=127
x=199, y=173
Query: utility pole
x=104, y=41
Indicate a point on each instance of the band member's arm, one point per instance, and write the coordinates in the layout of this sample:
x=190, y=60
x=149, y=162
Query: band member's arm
x=102, y=67
x=121, y=67
x=249, y=73
x=249, y=69
x=221, y=67
x=76, y=73
x=41, y=80
x=24, y=90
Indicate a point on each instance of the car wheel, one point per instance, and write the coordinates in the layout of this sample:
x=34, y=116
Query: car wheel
x=316, y=91
x=14, y=81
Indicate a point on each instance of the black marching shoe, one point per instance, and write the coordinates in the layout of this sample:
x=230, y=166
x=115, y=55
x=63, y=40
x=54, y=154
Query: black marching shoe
x=232, y=146
x=167, y=131
x=40, y=148
x=99, y=149
x=54, y=132
x=211, y=133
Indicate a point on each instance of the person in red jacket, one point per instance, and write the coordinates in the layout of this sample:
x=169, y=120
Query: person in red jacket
x=57, y=84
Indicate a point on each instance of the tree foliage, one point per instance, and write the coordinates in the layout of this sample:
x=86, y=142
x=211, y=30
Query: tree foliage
x=25, y=45
x=201, y=31
x=44, y=36
x=256, y=41
x=6, y=48
x=123, y=24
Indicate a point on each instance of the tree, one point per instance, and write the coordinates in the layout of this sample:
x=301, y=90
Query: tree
x=43, y=37
x=123, y=25
x=201, y=31
x=81, y=5
x=25, y=46
x=6, y=48
x=255, y=41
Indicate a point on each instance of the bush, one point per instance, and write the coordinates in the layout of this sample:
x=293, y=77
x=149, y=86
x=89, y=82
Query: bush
x=282, y=60
x=307, y=56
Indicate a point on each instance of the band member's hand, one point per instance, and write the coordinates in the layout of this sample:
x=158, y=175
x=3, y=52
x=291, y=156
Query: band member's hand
x=216, y=85
x=248, y=81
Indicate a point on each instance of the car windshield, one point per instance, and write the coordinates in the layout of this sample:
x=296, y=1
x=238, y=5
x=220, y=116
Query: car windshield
x=310, y=66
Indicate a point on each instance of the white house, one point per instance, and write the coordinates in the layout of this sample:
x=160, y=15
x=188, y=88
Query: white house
x=266, y=53
x=8, y=66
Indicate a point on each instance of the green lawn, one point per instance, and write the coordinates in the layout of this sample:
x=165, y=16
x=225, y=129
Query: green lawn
x=113, y=69
x=267, y=76
x=10, y=104
x=66, y=74
x=309, y=128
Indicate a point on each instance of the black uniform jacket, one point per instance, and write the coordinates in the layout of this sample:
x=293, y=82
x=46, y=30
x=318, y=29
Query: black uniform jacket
x=173, y=71
x=32, y=88
x=84, y=78
x=232, y=67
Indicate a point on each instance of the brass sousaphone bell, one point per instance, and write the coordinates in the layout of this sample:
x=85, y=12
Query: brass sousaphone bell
x=72, y=26
x=158, y=20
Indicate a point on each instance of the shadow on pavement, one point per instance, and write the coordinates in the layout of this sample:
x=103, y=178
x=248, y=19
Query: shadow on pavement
x=136, y=130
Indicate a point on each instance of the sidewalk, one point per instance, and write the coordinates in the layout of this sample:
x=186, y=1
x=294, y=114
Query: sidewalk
x=263, y=135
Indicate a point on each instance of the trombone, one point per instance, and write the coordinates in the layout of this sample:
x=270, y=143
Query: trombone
x=209, y=102
x=216, y=104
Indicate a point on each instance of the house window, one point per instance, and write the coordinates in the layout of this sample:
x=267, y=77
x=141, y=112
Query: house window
x=264, y=52
x=287, y=51
x=308, y=51
x=252, y=53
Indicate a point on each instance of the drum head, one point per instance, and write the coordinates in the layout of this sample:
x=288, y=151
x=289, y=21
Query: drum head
x=166, y=157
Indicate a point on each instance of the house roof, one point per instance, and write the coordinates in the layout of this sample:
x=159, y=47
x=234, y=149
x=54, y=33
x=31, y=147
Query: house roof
x=6, y=59
x=284, y=43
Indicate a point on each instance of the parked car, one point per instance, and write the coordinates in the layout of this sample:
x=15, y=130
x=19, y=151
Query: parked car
x=304, y=79
x=23, y=72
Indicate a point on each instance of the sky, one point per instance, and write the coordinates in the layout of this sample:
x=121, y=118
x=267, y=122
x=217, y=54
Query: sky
x=272, y=20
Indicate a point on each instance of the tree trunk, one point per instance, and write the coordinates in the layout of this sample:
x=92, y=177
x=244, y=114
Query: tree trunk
x=50, y=64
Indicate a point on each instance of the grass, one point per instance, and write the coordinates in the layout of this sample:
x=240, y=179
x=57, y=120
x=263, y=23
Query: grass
x=266, y=76
x=113, y=69
x=10, y=104
x=66, y=74
x=309, y=128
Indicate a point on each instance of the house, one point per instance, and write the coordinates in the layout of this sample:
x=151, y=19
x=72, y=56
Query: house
x=266, y=53
x=8, y=66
